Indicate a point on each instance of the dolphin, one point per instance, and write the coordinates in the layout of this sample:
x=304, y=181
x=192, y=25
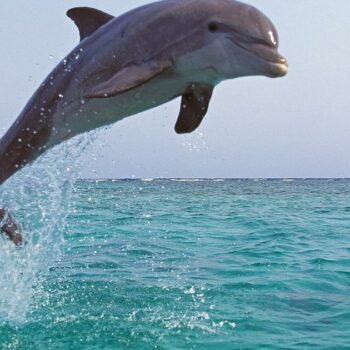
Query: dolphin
x=142, y=59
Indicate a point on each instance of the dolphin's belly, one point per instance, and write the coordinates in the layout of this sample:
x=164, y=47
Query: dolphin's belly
x=83, y=115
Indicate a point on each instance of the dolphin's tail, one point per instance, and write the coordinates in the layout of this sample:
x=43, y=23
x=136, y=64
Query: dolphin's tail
x=10, y=228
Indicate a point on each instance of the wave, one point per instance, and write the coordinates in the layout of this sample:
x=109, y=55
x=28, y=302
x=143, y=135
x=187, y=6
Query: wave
x=39, y=197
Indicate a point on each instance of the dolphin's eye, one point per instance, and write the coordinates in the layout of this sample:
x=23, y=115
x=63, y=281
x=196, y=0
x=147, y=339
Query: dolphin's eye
x=213, y=27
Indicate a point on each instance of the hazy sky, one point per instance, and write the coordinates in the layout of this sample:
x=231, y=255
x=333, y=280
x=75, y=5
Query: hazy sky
x=298, y=126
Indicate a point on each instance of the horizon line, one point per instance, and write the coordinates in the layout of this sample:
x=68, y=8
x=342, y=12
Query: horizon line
x=212, y=178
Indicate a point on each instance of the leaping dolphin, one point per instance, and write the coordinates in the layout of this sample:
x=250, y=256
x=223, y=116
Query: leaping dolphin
x=135, y=62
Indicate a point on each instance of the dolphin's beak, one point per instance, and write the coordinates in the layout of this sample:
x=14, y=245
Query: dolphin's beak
x=277, y=64
x=279, y=68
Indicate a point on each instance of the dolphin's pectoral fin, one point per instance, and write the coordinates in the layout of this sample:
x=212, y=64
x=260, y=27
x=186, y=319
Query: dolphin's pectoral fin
x=10, y=228
x=129, y=78
x=88, y=20
x=194, y=107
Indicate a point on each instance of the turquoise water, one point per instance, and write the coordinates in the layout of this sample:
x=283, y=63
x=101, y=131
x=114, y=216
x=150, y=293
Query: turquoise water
x=164, y=264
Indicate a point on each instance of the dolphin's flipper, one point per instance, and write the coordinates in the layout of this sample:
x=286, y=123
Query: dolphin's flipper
x=10, y=228
x=194, y=107
x=88, y=20
x=129, y=78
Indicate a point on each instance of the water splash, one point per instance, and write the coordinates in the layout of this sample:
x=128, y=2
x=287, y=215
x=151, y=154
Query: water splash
x=195, y=142
x=39, y=198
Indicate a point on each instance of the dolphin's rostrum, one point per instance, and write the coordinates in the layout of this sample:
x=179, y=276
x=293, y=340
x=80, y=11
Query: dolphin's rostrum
x=140, y=60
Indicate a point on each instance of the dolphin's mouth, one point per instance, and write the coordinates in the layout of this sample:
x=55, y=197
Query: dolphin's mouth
x=278, y=65
x=279, y=69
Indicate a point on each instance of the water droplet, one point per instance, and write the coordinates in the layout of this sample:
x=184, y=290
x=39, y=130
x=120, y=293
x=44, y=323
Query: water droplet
x=191, y=291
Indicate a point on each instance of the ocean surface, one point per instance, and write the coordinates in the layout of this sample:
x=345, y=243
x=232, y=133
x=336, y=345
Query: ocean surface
x=181, y=264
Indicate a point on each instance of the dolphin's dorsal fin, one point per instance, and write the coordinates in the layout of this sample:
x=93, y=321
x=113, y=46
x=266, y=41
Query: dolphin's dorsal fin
x=128, y=78
x=88, y=20
x=194, y=107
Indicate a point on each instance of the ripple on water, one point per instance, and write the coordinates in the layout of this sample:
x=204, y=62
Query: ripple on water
x=196, y=265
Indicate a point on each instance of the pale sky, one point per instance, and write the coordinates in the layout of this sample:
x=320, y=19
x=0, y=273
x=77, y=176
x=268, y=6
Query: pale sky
x=297, y=126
